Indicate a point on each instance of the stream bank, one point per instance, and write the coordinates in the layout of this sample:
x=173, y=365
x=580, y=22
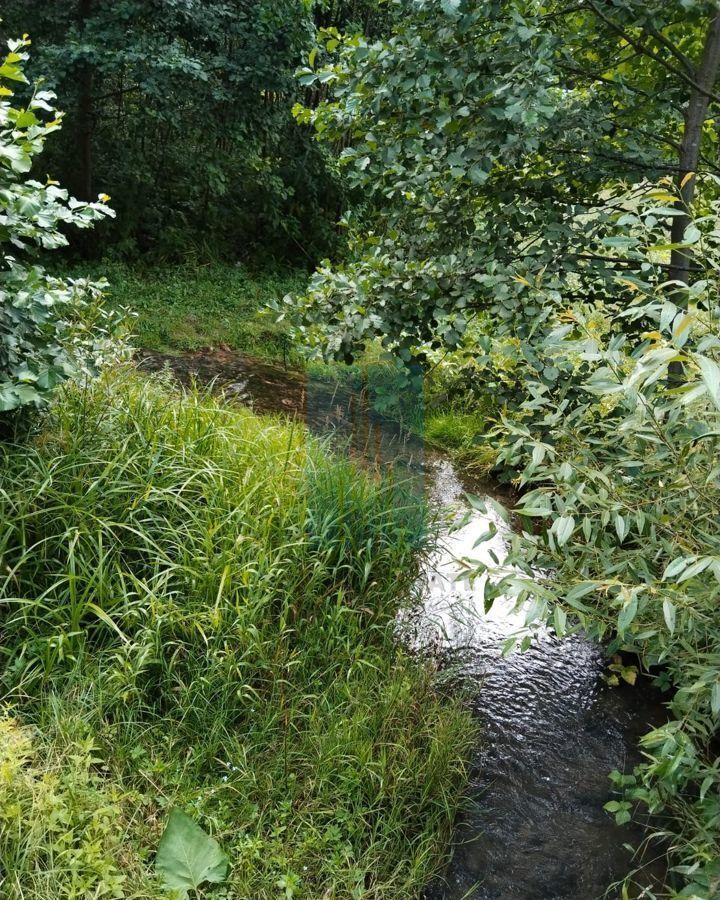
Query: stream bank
x=534, y=827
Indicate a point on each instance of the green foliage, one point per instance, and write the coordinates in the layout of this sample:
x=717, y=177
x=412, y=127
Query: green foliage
x=188, y=857
x=216, y=596
x=61, y=824
x=182, y=112
x=192, y=306
x=622, y=489
x=482, y=137
x=50, y=328
x=461, y=435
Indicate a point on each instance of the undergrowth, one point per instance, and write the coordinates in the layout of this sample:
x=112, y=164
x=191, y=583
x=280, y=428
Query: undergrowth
x=198, y=610
x=189, y=307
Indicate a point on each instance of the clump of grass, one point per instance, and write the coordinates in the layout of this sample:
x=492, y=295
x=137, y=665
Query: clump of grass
x=461, y=434
x=213, y=597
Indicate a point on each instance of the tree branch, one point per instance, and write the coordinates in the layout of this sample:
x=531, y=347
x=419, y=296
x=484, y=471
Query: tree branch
x=651, y=54
x=686, y=62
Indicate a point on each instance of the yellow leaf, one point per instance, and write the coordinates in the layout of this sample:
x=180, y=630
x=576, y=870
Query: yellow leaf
x=686, y=178
x=629, y=674
x=665, y=196
x=683, y=325
x=522, y=280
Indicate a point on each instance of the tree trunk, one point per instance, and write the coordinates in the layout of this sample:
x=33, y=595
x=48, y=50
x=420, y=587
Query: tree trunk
x=689, y=157
x=86, y=115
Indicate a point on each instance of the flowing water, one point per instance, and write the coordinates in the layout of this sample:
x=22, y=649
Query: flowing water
x=551, y=730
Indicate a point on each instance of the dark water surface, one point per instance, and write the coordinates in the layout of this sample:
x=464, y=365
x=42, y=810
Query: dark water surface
x=551, y=729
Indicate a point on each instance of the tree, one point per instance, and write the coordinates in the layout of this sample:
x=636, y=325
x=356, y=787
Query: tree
x=186, y=107
x=485, y=136
x=50, y=328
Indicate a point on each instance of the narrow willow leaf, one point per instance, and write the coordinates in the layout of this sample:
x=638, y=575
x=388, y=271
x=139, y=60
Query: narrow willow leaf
x=696, y=568
x=711, y=376
x=563, y=529
x=675, y=567
x=669, y=614
x=715, y=699
x=581, y=590
x=627, y=614
x=705, y=786
x=621, y=527
x=487, y=535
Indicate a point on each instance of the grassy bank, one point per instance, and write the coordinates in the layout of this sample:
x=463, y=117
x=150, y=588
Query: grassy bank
x=184, y=308
x=197, y=608
x=188, y=307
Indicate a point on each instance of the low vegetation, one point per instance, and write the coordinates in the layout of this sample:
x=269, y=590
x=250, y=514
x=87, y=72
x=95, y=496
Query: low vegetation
x=198, y=610
x=192, y=306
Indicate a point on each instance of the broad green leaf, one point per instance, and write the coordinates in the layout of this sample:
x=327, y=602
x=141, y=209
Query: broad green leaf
x=187, y=857
x=450, y=6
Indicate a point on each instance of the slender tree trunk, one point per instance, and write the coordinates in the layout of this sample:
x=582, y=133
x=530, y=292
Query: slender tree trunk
x=86, y=115
x=695, y=116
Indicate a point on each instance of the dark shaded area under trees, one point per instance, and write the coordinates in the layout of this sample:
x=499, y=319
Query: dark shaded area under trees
x=181, y=110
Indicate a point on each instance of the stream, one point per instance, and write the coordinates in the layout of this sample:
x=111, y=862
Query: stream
x=551, y=730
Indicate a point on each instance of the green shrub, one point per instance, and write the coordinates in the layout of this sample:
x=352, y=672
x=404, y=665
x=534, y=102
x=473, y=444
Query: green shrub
x=624, y=486
x=50, y=328
x=61, y=824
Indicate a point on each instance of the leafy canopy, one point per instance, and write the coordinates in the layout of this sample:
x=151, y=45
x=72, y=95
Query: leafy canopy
x=483, y=137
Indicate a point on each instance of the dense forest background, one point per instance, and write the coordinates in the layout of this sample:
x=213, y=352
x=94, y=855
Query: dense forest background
x=181, y=111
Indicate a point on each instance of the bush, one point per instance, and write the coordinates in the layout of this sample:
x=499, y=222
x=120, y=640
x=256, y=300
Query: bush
x=50, y=329
x=624, y=486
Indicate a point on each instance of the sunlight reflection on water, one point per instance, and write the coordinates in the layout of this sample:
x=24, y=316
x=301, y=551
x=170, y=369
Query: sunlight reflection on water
x=551, y=730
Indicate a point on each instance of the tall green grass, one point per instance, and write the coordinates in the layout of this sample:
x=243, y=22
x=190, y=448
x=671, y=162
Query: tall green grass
x=202, y=602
